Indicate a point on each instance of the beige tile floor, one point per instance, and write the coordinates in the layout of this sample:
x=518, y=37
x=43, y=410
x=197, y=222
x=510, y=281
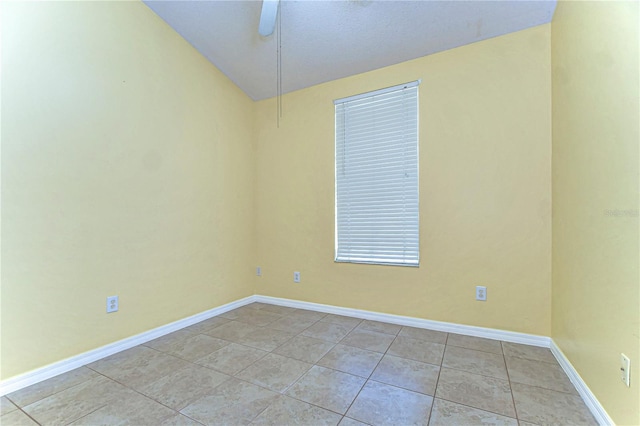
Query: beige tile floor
x=271, y=365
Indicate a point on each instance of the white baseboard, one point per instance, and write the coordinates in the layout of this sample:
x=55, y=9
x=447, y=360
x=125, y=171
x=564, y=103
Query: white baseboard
x=587, y=396
x=27, y=379
x=488, y=333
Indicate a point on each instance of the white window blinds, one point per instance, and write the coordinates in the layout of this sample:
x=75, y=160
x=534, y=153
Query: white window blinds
x=377, y=177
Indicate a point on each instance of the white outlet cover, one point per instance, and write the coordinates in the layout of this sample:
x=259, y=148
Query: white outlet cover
x=258, y=271
x=625, y=365
x=296, y=277
x=481, y=293
x=112, y=304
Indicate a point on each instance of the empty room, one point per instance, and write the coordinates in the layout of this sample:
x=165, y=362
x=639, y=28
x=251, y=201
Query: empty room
x=352, y=212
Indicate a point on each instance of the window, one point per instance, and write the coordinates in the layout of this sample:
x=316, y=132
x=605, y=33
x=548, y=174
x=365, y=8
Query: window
x=377, y=177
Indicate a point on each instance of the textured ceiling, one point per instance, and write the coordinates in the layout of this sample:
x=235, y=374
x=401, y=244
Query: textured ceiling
x=326, y=40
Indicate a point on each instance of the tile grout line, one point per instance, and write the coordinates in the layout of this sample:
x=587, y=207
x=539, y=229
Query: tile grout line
x=178, y=412
x=513, y=399
x=537, y=386
x=298, y=379
x=85, y=415
x=272, y=351
x=316, y=364
x=49, y=395
x=28, y=415
x=191, y=418
x=139, y=392
x=369, y=377
x=500, y=378
x=467, y=405
x=295, y=334
x=435, y=390
x=234, y=376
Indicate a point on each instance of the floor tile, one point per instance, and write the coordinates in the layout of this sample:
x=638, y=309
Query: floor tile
x=182, y=387
x=289, y=411
x=73, y=403
x=529, y=352
x=138, y=367
x=292, y=324
x=380, y=327
x=424, y=334
x=274, y=372
x=234, y=402
x=125, y=358
x=408, y=374
x=6, y=406
x=133, y=410
x=347, y=421
x=539, y=373
x=482, y=392
x=196, y=346
x=305, y=349
x=477, y=362
x=380, y=404
x=327, y=388
x=296, y=366
x=327, y=331
x=234, y=314
x=417, y=350
x=543, y=406
x=477, y=343
x=256, y=305
x=446, y=413
x=169, y=341
x=265, y=339
x=207, y=325
x=232, y=358
x=258, y=317
x=179, y=420
x=370, y=340
x=343, y=320
x=277, y=309
x=310, y=315
x=347, y=359
x=16, y=418
x=33, y=393
x=232, y=331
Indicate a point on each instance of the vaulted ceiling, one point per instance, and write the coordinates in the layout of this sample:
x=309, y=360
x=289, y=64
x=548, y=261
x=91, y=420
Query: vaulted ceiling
x=329, y=39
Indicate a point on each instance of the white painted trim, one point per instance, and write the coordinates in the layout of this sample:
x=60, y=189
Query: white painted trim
x=585, y=393
x=587, y=396
x=27, y=379
x=18, y=382
x=414, y=83
x=469, y=330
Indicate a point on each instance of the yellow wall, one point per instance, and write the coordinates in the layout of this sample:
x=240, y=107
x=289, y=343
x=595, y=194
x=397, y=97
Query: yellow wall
x=596, y=121
x=131, y=166
x=126, y=169
x=485, y=190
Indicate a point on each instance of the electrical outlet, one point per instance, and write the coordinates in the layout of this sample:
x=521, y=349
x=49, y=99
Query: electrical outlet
x=112, y=304
x=481, y=293
x=625, y=365
x=259, y=271
x=296, y=277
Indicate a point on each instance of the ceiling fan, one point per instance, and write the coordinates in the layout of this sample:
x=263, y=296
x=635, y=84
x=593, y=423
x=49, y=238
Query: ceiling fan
x=268, y=17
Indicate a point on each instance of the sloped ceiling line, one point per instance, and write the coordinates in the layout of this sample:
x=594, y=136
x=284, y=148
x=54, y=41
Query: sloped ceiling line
x=331, y=39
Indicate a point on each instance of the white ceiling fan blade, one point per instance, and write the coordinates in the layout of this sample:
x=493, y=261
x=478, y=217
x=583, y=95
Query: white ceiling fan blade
x=268, y=17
